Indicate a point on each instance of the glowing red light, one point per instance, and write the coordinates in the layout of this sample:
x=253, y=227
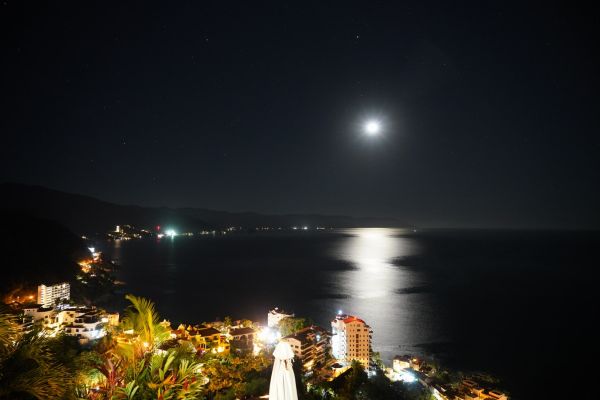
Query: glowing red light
x=158, y=227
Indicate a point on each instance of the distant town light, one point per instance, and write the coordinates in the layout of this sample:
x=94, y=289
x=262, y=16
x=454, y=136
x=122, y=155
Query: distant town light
x=92, y=249
x=171, y=233
x=340, y=312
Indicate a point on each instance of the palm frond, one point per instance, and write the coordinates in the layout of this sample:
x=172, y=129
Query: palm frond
x=9, y=333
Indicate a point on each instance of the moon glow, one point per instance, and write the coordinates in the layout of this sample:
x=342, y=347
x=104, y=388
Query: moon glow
x=372, y=127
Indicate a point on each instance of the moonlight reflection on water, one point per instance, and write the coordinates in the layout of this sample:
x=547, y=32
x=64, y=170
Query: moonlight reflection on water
x=370, y=251
x=374, y=289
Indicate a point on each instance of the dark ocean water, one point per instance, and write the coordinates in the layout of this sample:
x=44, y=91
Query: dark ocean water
x=521, y=305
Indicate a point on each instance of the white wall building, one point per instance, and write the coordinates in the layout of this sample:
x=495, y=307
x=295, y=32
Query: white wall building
x=48, y=295
x=351, y=340
x=83, y=322
x=87, y=325
x=275, y=316
x=38, y=312
x=310, y=345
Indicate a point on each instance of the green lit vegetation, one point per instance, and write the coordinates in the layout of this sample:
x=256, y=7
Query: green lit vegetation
x=290, y=325
x=29, y=367
x=131, y=362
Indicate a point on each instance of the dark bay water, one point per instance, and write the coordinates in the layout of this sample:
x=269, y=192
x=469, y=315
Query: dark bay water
x=516, y=304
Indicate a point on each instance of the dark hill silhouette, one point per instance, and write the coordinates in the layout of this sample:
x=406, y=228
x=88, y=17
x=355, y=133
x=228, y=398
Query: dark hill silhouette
x=87, y=215
x=35, y=251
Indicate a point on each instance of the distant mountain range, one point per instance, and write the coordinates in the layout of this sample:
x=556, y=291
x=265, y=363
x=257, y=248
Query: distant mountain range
x=87, y=215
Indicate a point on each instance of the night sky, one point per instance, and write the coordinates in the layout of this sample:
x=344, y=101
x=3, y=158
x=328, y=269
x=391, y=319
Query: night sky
x=489, y=110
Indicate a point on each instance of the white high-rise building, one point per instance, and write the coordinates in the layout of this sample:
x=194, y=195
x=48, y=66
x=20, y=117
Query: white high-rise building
x=351, y=340
x=48, y=295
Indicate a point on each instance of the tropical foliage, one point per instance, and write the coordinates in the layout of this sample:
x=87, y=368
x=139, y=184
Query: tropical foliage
x=28, y=366
x=290, y=325
x=136, y=361
x=238, y=375
x=133, y=366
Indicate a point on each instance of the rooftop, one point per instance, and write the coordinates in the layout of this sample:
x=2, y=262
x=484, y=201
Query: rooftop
x=241, y=331
x=278, y=310
x=205, y=332
x=303, y=334
x=352, y=318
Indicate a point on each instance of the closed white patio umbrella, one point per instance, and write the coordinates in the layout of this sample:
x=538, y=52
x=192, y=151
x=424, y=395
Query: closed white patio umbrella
x=283, y=383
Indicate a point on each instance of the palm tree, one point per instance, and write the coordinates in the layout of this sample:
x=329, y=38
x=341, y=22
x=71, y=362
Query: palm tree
x=136, y=368
x=142, y=317
x=27, y=365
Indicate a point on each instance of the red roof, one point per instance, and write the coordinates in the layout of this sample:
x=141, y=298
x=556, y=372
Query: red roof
x=352, y=319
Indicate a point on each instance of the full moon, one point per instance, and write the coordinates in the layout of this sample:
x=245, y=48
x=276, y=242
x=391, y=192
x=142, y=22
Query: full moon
x=372, y=127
